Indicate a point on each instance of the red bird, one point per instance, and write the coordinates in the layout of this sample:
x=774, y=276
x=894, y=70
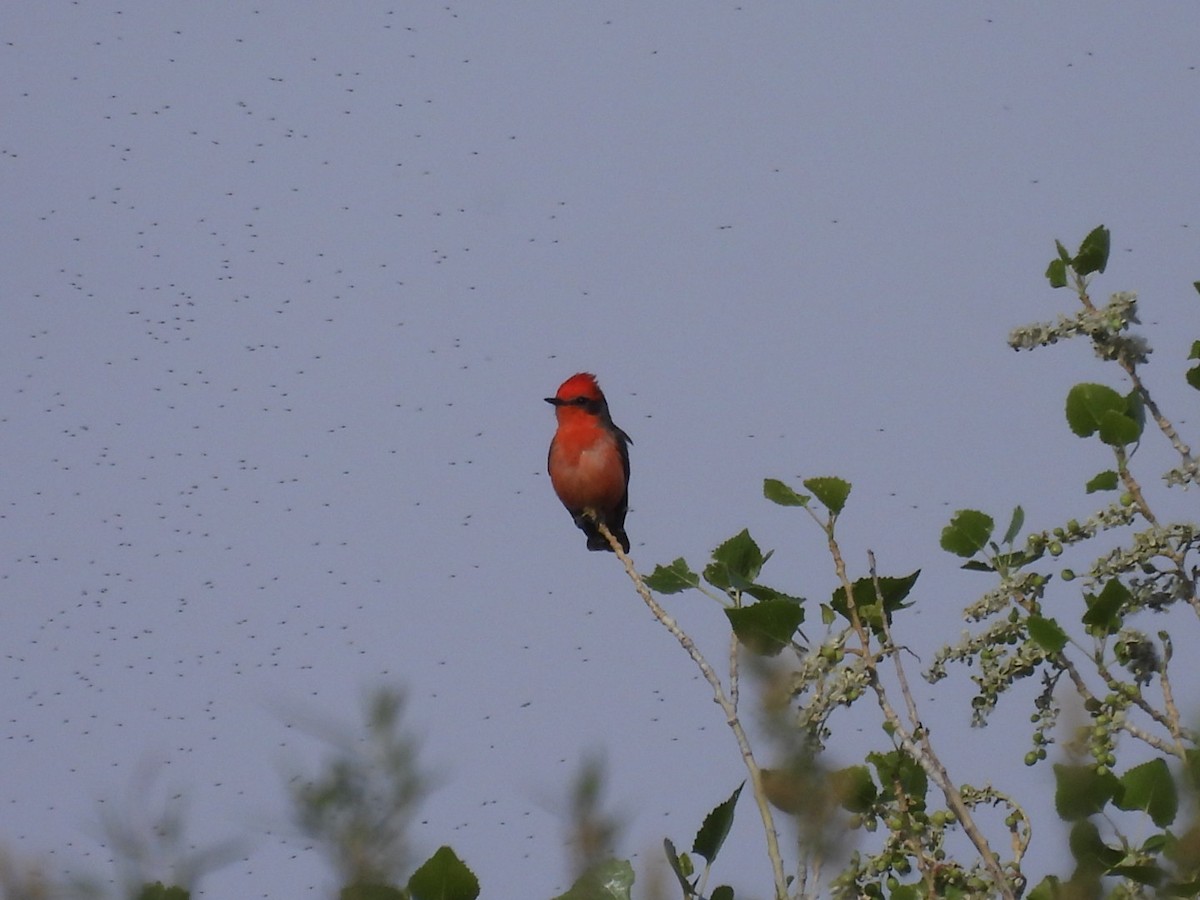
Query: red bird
x=589, y=461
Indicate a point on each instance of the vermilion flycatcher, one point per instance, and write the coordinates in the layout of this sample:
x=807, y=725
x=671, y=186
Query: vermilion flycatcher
x=589, y=461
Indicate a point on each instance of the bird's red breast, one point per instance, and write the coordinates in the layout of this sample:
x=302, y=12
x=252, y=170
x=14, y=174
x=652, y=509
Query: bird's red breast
x=586, y=463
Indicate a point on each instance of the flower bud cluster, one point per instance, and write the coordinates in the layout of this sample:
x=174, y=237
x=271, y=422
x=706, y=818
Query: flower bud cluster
x=1103, y=326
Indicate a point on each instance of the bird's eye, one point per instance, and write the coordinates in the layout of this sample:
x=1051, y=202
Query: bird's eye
x=580, y=401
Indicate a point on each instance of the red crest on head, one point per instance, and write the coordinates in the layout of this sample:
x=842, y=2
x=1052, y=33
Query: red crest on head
x=582, y=384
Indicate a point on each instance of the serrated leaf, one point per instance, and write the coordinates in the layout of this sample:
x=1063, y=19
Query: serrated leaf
x=1047, y=634
x=765, y=627
x=1104, y=481
x=1093, y=252
x=1104, y=609
x=778, y=492
x=1063, y=253
x=1014, y=525
x=443, y=877
x=1056, y=273
x=1193, y=377
x=967, y=533
x=608, y=880
x=832, y=492
x=716, y=827
x=977, y=565
x=736, y=562
x=893, y=590
x=672, y=579
x=1195, y=351
x=1087, y=404
x=1150, y=788
x=762, y=592
x=1081, y=791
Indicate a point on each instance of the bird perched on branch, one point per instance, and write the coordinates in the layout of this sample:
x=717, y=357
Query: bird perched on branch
x=589, y=461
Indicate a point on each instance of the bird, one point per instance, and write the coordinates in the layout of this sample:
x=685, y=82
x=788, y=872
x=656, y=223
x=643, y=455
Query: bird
x=589, y=461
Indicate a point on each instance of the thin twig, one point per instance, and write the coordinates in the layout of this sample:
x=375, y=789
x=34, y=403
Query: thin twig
x=923, y=751
x=719, y=695
x=1169, y=697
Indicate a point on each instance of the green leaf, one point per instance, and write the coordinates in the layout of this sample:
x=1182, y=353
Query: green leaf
x=893, y=591
x=1193, y=375
x=904, y=892
x=1047, y=634
x=1157, y=843
x=672, y=579
x=1150, y=788
x=1089, y=850
x=724, y=892
x=1191, y=769
x=898, y=768
x=1081, y=791
x=1095, y=408
x=1056, y=273
x=762, y=592
x=967, y=533
x=832, y=492
x=1093, y=252
x=1047, y=889
x=1118, y=429
x=1014, y=525
x=778, y=492
x=608, y=880
x=1181, y=889
x=1087, y=403
x=443, y=877
x=1063, y=253
x=1147, y=874
x=736, y=563
x=716, y=827
x=854, y=789
x=1008, y=561
x=1104, y=481
x=681, y=865
x=1104, y=609
x=767, y=626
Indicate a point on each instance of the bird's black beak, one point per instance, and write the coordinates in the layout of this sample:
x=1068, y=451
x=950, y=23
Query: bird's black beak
x=553, y=401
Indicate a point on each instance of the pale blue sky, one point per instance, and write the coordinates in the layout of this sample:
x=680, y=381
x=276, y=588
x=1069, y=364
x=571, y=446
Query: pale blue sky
x=285, y=285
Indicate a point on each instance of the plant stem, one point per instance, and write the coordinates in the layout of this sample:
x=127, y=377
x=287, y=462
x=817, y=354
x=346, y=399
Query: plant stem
x=727, y=705
x=915, y=741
